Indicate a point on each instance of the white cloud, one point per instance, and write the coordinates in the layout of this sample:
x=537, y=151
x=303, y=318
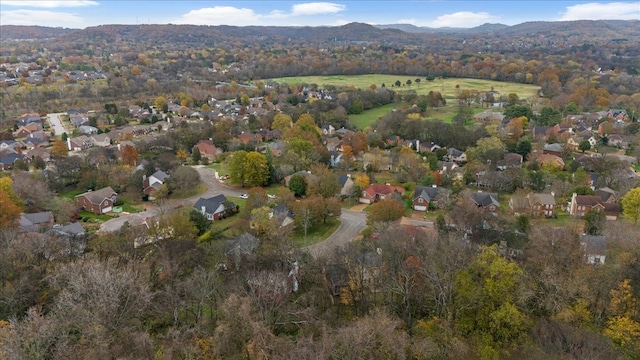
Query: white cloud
x=219, y=15
x=229, y=15
x=316, y=8
x=601, y=11
x=49, y=4
x=406, y=21
x=39, y=17
x=463, y=19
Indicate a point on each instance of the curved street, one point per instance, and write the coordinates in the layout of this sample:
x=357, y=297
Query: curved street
x=353, y=222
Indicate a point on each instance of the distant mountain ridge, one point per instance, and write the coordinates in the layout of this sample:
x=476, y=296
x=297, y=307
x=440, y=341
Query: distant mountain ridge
x=605, y=29
x=487, y=27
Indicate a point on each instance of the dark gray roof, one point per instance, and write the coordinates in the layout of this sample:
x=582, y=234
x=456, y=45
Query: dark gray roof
x=485, y=199
x=594, y=244
x=342, y=179
x=160, y=175
x=11, y=158
x=73, y=229
x=245, y=244
x=427, y=192
x=211, y=204
x=96, y=196
x=31, y=222
x=454, y=152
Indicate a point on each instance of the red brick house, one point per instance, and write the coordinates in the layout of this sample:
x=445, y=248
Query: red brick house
x=581, y=204
x=375, y=192
x=98, y=201
x=208, y=149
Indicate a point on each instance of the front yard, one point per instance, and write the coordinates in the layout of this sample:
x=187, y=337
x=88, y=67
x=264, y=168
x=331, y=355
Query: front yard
x=316, y=233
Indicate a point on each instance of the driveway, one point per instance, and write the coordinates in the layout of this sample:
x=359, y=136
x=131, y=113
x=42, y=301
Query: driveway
x=353, y=222
x=56, y=123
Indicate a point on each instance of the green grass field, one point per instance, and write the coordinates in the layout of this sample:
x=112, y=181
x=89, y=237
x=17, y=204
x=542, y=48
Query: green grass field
x=446, y=86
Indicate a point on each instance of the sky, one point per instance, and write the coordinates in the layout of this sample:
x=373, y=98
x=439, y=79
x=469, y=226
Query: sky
x=79, y=14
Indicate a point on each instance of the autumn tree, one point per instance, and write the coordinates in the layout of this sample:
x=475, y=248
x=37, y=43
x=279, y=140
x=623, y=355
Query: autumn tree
x=298, y=185
x=249, y=168
x=584, y=146
x=631, y=204
x=594, y=221
x=324, y=183
x=130, y=155
x=385, y=211
x=159, y=102
x=281, y=122
x=183, y=179
x=59, y=149
x=10, y=211
x=324, y=209
x=263, y=224
x=486, y=300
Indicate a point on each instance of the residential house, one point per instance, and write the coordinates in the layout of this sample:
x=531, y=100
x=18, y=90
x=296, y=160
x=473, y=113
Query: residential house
x=541, y=133
x=607, y=195
x=88, y=129
x=26, y=130
x=97, y=201
x=248, y=138
x=216, y=207
x=152, y=184
x=542, y=204
x=102, y=140
x=208, y=149
x=594, y=248
x=456, y=155
x=333, y=144
x=71, y=237
x=79, y=120
x=375, y=192
x=346, y=185
x=328, y=129
x=486, y=201
x=79, y=143
x=429, y=197
x=284, y=217
x=240, y=249
x=8, y=145
x=334, y=158
x=31, y=143
x=30, y=118
x=510, y=161
x=276, y=148
x=519, y=204
x=617, y=114
x=7, y=161
x=548, y=160
x=427, y=147
x=36, y=222
x=43, y=153
x=553, y=149
x=581, y=204
x=620, y=141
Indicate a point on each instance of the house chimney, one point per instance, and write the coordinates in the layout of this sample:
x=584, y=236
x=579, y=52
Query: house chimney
x=349, y=176
x=388, y=184
x=203, y=209
x=69, y=144
x=434, y=186
x=553, y=194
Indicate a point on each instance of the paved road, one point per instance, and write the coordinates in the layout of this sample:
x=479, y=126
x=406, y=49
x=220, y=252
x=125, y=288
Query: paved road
x=353, y=222
x=56, y=123
x=207, y=176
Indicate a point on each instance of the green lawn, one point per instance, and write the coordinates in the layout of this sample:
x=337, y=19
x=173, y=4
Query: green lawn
x=71, y=194
x=316, y=233
x=447, y=87
x=368, y=117
x=91, y=217
x=221, y=168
